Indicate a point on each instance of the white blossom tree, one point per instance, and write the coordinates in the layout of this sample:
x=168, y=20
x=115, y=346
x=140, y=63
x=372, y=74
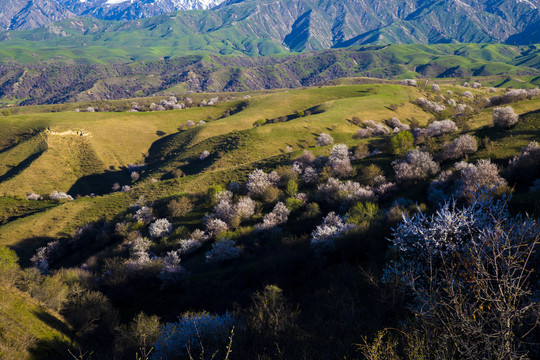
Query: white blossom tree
x=463, y=145
x=339, y=161
x=257, y=183
x=204, y=155
x=469, y=271
x=171, y=270
x=504, y=117
x=417, y=165
x=324, y=235
x=278, y=216
x=222, y=250
x=438, y=128
x=324, y=139
x=483, y=174
x=160, y=228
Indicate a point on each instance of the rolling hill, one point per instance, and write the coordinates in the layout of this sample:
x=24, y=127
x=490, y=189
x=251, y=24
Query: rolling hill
x=86, y=153
x=52, y=82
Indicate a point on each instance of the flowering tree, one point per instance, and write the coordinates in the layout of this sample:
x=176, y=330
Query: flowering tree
x=430, y=106
x=204, y=155
x=514, y=95
x=215, y=226
x=278, y=216
x=224, y=249
x=339, y=161
x=372, y=129
x=193, y=334
x=463, y=145
x=33, y=196
x=483, y=174
x=144, y=215
x=397, y=125
x=408, y=82
x=274, y=178
x=469, y=272
x=245, y=207
x=476, y=85
x=442, y=127
x=160, y=228
x=188, y=246
x=463, y=108
x=306, y=159
x=322, y=238
x=257, y=183
x=310, y=175
x=139, y=254
x=525, y=168
x=171, y=270
x=55, y=195
x=417, y=165
x=344, y=192
x=324, y=140
x=45, y=255
x=225, y=211
x=504, y=117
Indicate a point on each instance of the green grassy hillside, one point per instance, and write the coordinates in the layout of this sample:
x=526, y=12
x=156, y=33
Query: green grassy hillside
x=85, y=153
x=29, y=331
x=93, y=163
x=112, y=141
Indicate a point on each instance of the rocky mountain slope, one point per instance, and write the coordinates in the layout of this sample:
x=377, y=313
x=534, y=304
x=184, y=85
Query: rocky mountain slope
x=30, y=14
x=301, y=24
x=137, y=9
x=25, y=14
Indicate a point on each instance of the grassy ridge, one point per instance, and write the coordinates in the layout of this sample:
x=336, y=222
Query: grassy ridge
x=114, y=140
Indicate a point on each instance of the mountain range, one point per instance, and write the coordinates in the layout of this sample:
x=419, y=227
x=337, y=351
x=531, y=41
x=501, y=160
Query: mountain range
x=297, y=25
x=30, y=14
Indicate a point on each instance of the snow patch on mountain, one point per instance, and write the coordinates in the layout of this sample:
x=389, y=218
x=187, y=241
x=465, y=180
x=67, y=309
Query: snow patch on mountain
x=113, y=2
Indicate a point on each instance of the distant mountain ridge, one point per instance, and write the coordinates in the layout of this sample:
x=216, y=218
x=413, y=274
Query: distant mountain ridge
x=31, y=14
x=299, y=25
x=133, y=9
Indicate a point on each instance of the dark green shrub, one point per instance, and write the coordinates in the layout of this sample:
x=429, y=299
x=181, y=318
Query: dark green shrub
x=401, y=143
x=292, y=188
